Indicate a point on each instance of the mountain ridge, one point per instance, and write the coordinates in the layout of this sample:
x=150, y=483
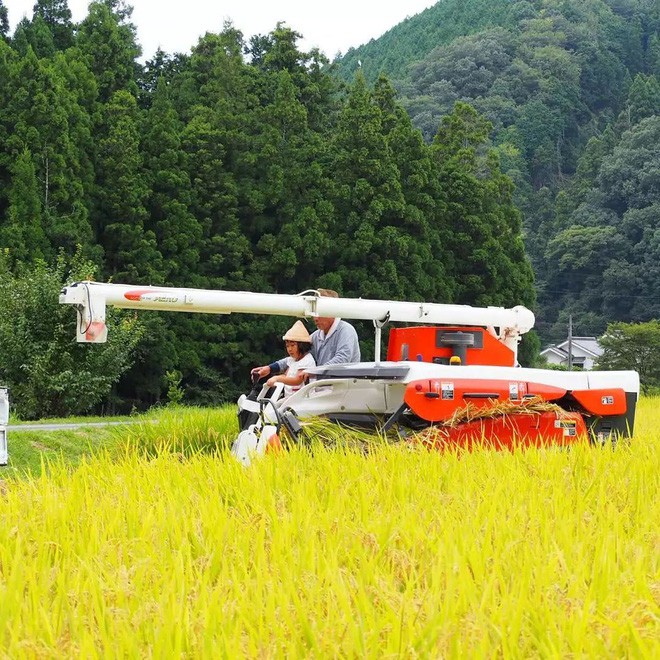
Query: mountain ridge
x=563, y=83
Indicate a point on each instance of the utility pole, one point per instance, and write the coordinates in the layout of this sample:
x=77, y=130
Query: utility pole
x=570, y=342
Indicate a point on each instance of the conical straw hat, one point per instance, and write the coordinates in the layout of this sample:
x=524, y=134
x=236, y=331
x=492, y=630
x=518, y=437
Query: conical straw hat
x=297, y=332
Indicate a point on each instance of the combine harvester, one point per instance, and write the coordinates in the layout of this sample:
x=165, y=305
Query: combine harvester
x=453, y=375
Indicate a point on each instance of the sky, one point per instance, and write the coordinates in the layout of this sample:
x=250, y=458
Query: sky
x=176, y=25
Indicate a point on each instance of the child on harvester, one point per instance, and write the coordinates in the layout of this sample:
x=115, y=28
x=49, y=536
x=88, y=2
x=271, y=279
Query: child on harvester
x=298, y=345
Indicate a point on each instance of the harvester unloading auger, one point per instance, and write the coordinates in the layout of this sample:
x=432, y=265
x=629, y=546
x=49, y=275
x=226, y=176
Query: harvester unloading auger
x=418, y=386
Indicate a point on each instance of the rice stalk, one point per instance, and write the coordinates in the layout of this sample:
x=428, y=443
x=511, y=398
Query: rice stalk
x=529, y=406
x=541, y=553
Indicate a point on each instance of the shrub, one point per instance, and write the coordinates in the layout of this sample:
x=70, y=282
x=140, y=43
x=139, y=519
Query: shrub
x=48, y=373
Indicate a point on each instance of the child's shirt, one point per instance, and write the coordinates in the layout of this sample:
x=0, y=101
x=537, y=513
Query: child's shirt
x=294, y=366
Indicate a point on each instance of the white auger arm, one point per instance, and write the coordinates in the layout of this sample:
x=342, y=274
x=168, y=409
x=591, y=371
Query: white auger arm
x=91, y=298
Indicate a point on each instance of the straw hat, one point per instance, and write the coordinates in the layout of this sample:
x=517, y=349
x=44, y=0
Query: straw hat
x=297, y=332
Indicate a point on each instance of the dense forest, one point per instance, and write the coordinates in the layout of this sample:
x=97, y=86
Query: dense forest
x=243, y=165
x=572, y=89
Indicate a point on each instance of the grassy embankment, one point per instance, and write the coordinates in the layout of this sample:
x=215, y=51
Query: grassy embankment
x=32, y=450
x=403, y=552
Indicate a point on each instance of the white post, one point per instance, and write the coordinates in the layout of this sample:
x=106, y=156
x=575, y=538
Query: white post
x=377, y=341
x=4, y=420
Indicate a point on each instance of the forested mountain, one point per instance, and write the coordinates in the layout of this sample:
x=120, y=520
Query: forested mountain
x=244, y=166
x=572, y=88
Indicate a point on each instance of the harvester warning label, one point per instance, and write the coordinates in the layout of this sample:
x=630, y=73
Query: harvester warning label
x=447, y=391
x=513, y=391
x=569, y=426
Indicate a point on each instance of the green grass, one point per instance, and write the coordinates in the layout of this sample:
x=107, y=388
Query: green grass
x=74, y=420
x=30, y=451
x=183, y=429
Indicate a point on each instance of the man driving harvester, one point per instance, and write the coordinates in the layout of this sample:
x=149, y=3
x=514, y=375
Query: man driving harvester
x=333, y=342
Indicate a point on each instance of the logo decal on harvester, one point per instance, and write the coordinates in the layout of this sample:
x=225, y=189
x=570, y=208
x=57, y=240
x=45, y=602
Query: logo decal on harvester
x=163, y=299
x=607, y=400
x=148, y=295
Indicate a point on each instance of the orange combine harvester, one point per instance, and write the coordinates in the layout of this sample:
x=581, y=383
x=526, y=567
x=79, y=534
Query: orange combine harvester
x=452, y=377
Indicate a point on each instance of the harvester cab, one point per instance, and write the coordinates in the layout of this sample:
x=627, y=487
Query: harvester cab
x=452, y=371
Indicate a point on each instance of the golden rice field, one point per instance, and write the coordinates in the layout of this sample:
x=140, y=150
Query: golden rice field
x=401, y=553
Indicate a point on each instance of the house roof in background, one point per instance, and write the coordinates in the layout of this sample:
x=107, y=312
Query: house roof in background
x=555, y=350
x=587, y=345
